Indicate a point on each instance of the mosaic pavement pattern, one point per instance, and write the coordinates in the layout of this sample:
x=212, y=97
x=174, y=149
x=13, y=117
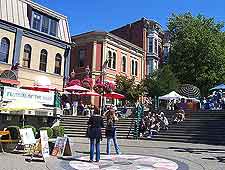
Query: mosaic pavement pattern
x=125, y=162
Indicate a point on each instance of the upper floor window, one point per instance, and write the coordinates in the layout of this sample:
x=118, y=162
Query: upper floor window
x=81, y=57
x=26, y=56
x=44, y=23
x=109, y=59
x=114, y=61
x=156, y=45
x=124, y=64
x=134, y=68
x=4, y=50
x=43, y=60
x=58, y=63
x=150, y=45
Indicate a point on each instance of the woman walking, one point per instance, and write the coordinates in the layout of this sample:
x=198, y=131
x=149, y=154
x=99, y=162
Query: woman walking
x=111, y=131
x=95, y=123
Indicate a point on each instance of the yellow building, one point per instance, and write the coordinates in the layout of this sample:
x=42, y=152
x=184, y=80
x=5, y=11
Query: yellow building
x=37, y=38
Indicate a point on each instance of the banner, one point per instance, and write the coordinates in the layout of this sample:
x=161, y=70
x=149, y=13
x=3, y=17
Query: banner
x=10, y=94
x=44, y=143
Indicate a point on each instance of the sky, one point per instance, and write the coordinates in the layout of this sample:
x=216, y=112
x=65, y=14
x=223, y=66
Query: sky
x=106, y=15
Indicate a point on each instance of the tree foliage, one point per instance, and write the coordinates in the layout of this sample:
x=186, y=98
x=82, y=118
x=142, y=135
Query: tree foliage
x=161, y=82
x=128, y=87
x=197, y=50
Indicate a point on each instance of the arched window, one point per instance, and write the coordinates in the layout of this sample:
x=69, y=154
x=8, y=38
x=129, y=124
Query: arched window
x=132, y=67
x=58, y=63
x=43, y=60
x=4, y=50
x=26, y=56
x=124, y=64
x=114, y=61
x=109, y=59
x=136, y=68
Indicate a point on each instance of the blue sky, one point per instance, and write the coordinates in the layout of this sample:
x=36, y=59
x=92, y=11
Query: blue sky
x=88, y=15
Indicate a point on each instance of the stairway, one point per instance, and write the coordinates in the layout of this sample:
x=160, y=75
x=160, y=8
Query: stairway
x=77, y=126
x=201, y=127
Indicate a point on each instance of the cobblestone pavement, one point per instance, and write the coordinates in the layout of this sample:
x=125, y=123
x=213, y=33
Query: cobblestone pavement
x=195, y=156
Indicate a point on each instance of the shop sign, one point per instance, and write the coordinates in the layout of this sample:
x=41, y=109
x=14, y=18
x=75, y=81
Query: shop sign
x=10, y=94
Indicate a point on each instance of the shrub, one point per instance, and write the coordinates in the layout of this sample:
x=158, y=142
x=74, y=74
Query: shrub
x=33, y=129
x=14, y=132
x=49, y=131
x=58, y=131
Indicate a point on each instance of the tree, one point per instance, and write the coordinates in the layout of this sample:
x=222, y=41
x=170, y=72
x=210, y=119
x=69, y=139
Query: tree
x=128, y=87
x=197, y=50
x=161, y=82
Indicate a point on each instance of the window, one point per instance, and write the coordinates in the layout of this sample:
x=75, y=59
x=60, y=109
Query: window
x=109, y=59
x=81, y=59
x=136, y=68
x=132, y=67
x=124, y=64
x=150, y=45
x=58, y=63
x=4, y=50
x=114, y=61
x=36, y=21
x=53, y=28
x=156, y=44
x=26, y=56
x=151, y=66
x=44, y=23
x=43, y=60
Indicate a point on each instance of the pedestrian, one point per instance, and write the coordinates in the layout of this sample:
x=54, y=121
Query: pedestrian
x=94, y=132
x=111, y=131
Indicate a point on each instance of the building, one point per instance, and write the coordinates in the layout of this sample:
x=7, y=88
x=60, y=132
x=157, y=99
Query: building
x=37, y=38
x=148, y=35
x=94, y=48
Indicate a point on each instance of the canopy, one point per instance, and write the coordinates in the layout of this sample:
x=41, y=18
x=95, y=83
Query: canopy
x=76, y=88
x=41, y=88
x=219, y=87
x=19, y=105
x=171, y=95
x=88, y=93
x=189, y=91
x=114, y=95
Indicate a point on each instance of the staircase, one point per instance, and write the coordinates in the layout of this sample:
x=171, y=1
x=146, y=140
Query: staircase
x=77, y=126
x=200, y=127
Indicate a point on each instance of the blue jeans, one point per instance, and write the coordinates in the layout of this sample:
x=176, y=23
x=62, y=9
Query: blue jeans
x=95, y=145
x=117, y=149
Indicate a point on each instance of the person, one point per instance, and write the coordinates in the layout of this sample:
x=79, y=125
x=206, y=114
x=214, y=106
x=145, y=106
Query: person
x=164, y=123
x=80, y=108
x=94, y=132
x=110, y=131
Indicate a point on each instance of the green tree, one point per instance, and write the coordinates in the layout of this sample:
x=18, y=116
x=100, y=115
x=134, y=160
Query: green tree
x=129, y=88
x=161, y=82
x=197, y=50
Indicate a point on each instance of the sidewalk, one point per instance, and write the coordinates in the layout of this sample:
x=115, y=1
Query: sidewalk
x=196, y=156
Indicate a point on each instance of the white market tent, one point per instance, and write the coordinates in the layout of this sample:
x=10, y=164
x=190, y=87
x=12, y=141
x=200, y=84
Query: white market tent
x=172, y=95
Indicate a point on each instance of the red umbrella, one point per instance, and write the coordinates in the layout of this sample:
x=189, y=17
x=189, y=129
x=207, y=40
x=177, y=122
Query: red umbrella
x=114, y=95
x=76, y=88
x=41, y=88
x=88, y=93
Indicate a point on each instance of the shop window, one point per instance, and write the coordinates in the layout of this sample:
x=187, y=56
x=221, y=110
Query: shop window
x=43, y=60
x=124, y=64
x=58, y=63
x=114, y=61
x=26, y=56
x=81, y=56
x=4, y=50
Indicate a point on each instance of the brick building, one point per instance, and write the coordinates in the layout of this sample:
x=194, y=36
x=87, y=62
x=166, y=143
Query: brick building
x=148, y=35
x=93, y=48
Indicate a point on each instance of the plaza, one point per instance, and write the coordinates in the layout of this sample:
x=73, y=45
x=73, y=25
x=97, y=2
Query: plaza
x=159, y=156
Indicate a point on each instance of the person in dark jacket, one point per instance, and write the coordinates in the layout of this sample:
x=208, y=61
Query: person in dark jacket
x=110, y=131
x=95, y=123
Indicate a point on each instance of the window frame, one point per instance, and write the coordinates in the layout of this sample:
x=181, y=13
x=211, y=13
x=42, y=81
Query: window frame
x=60, y=65
x=5, y=52
x=79, y=58
x=150, y=50
x=29, y=55
x=134, y=67
x=114, y=61
x=124, y=64
x=43, y=63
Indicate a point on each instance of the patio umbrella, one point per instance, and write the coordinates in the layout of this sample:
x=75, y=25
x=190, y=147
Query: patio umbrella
x=88, y=93
x=219, y=87
x=189, y=91
x=114, y=95
x=21, y=105
x=42, y=88
x=76, y=88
